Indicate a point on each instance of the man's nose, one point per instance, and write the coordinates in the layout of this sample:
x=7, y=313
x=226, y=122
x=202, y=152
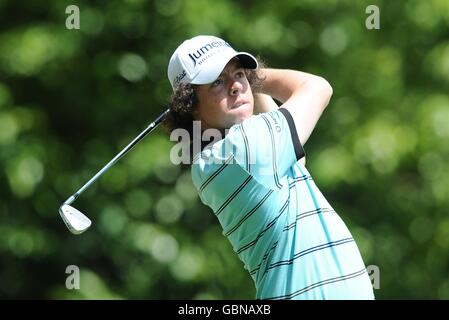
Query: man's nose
x=236, y=87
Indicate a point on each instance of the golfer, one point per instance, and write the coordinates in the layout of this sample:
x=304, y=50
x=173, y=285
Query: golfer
x=251, y=170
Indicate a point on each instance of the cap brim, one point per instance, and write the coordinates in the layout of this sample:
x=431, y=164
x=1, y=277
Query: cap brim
x=210, y=73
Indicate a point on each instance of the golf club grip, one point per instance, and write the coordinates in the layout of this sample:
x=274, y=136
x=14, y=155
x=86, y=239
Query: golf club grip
x=147, y=130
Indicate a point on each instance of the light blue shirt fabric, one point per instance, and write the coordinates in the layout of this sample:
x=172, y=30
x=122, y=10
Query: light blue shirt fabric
x=289, y=238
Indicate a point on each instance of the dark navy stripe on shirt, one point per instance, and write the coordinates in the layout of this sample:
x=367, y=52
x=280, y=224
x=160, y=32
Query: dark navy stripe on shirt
x=319, y=284
x=300, y=178
x=216, y=173
x=308, y=251
x=273, y=146
x=233, y=195
x=245, y=139
x=249, y=213
x=264, y=258
x=290, y=226
x=307, y=214
x=253, y=242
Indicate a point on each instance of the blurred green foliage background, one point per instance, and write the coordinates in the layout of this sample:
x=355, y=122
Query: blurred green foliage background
x=71, y=99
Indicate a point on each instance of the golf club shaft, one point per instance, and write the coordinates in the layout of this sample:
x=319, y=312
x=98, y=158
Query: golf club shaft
x=118, y=156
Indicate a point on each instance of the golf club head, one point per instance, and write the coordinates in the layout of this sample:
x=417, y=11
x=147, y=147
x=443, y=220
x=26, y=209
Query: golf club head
x=75, y=221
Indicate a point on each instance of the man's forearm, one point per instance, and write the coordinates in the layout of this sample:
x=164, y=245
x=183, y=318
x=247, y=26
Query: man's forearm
x=281, y=84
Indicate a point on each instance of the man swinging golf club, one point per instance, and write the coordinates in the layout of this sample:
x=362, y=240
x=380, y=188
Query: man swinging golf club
x=290, y=239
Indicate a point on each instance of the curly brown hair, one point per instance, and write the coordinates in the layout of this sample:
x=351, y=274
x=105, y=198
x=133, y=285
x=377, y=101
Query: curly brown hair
x=184, y=101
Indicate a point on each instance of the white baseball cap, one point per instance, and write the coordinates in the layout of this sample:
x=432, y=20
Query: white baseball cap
x=201, y=59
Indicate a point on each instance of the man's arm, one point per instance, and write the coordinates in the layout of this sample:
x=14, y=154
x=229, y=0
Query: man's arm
x=263, y=103
x=304, y=95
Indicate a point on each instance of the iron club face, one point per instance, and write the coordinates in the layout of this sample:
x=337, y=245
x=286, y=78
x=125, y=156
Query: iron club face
x=74, y=219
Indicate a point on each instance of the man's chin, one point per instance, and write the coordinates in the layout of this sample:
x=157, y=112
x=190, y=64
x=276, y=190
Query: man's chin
x=242, y=112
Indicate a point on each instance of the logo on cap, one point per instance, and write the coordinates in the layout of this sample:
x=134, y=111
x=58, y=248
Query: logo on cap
x=179, y=77
x=214, y=44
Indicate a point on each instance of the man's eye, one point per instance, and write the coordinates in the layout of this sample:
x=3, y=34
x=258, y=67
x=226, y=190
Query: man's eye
x=240, y=74
x=217, y=82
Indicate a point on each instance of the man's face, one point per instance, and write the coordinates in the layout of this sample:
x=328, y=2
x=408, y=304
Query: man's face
x=226, y=101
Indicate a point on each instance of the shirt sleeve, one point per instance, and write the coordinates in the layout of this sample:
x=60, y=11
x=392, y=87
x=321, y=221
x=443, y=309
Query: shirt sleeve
x=266, y=146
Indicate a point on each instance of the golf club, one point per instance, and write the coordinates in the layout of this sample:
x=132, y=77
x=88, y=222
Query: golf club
x=74, y=219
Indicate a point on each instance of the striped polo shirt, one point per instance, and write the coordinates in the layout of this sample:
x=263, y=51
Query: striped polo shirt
x=289, y=238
